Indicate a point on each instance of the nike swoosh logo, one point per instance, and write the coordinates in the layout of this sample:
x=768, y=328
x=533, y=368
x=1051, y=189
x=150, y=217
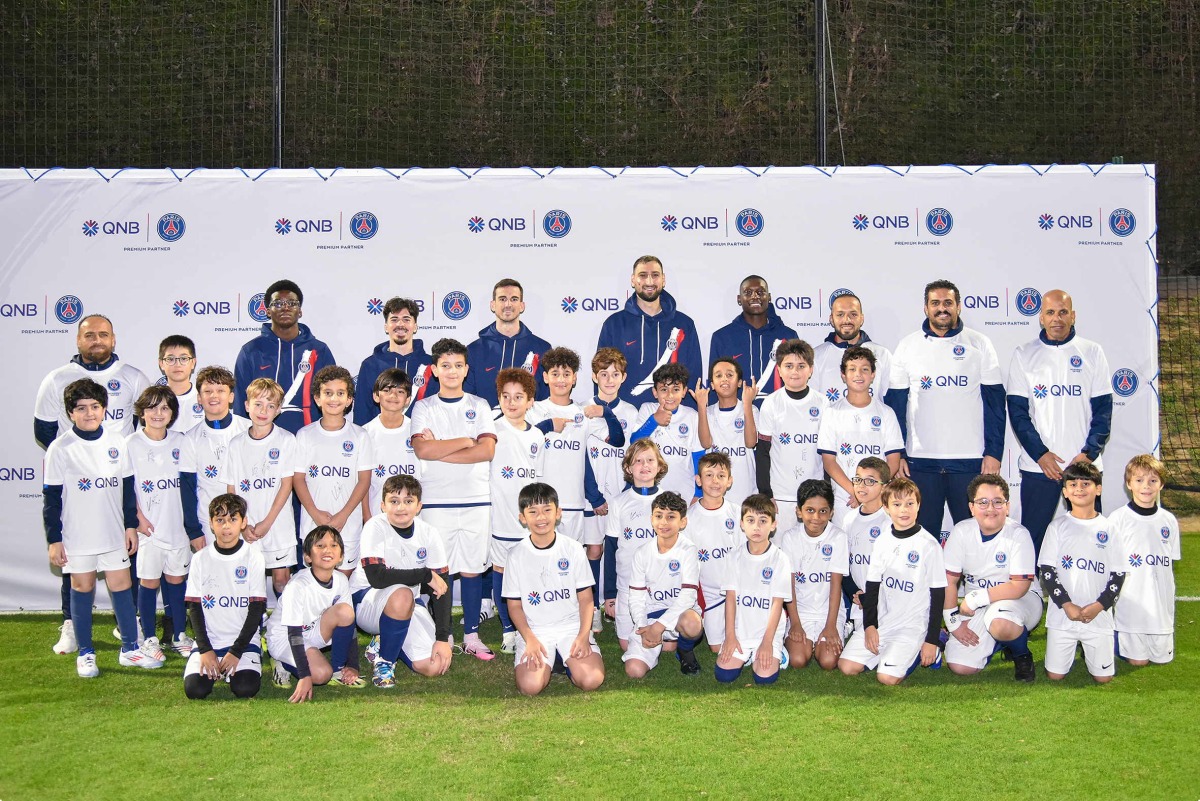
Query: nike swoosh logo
x=488, y=369
x=1106, y=667
x=737, y=356
x=631, y=342
x=888, y=664
x=280, y=558
x=265, y=367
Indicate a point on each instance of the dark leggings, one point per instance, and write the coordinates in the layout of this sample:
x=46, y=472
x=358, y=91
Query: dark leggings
x=244, y=684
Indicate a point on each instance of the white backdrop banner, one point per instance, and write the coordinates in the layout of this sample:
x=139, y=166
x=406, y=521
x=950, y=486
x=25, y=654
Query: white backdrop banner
x=190, y=252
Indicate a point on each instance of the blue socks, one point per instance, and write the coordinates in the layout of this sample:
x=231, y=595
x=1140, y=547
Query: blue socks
x=727, y=675
x=81, y=617
x=343, y=641
x=391, y=636
x=684, y=644
x=1020, y=645
x=126, y=618
x=774, y=677
x=147, y=605
x=594, y=564
x=501, y=605
x=176, y=607
x=472, y=602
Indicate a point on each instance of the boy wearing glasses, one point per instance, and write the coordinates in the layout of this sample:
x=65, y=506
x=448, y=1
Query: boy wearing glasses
x=863, y=525
x=993, y=556
x=286, y=351
x=177, y=362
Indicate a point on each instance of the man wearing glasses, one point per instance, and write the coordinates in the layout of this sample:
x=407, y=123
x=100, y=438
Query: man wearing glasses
x=287, y=352
x=751, y=338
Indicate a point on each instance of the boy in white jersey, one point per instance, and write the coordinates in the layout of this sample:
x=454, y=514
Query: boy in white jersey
x=673, y=427
x=712, y=526
x=993, y=555
x=663, y=585
x=788, y=422
x=333, y=463
x=261, y=463
x=210, y=439
x=520, y=452
x=177, y=362
x=227, y=577
x=167, y=525
x=391, y=436
x=90, y=516
x=728, y=426
x=403, y=558
x=1149, y=535
x=819, y=558
x=863, y=525
x=315, y=613
x=548, y=587
x=757, y=583
x=904, y=596
x=1082, y=571
x=855, y=426
x=455, y=438
x=629, y=528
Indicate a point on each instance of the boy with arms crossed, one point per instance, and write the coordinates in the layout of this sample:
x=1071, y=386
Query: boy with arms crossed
x=863, y=526
x=712, y=526
x=819, y=558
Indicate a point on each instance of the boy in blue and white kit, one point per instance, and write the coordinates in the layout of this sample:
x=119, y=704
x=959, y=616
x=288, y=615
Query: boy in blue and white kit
x=520, y=454
x=788, y=424
x=712, y=527
x=168, y=528
x=90, y=515
x=391, y=436
x=333, y=464
x=548, y=587
x=210, y=439
x=177, y=361
x=663, y=587
x=729, y=425
x=757, y=583
x=227, y=577
x=455, y=438
x=1149, y=534
x=1082, y=569
x=673, y=428
x=863, y=526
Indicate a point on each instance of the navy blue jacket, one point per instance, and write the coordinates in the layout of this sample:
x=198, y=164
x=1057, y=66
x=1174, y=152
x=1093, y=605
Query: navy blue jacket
x=643, y=339
x=416, y=364
x=494, y=352
x=749, y=346
x=268, y=356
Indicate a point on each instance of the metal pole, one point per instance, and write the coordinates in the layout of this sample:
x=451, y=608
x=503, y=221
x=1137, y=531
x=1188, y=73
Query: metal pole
x=277, y=79
x=819, y=75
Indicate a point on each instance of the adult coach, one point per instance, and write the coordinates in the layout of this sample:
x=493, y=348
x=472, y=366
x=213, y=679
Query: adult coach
x=847, y=319
x=96, y=358
x=949, y=400
x=651, y=331
x=505, y=343
x=1060, y=404
x=402, y=351
x=286, y=351
x=751, y=338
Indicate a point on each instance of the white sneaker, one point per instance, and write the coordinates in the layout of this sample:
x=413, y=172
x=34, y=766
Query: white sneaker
x=85, y=666
x=153, y=649
x=487, y=611
x=139, y=658
x=281, y=677
x=66, y=640
x=183, y=645
x=597, y=622
x=509, y=646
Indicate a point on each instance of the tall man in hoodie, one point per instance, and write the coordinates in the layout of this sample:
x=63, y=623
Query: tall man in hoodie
x=287, y=352
x=401, y=351
x=650, y=331
x=503, y=344
x=847, y=318
x=751, y=339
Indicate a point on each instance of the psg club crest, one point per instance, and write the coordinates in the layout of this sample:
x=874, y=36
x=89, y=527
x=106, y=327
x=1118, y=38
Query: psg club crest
x=673, y=565
x=1166, y=533
x=1122, y=222
x=959, y=350
x=729, y=524
x=749, y=222
x=114, y=385
x=113, y=453
x=240, y=572
x=1076, y=362
x=876, y=421
x=196, y=408
x=364, y=225
x=1101, y=537
x=68, y=309
x=939, y=221
x=175, y=454
x=913, y=557
x=273, y=453
x=470, y=414
x=739, y=424
x=1001, y=557
x=767, y=572
x=874, y=533
x=456, y=305
x=421, y=553
x=1029, y=301
x=348, y=446
x=563, y=564
x=171, y=227
x=683, y=429
x=556, y=224
x=1124, y=382
x=256, y=307
x=827, y=550
x=814, y=412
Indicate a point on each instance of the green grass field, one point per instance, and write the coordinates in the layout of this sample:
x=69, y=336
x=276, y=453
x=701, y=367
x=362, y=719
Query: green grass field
x=471, y=735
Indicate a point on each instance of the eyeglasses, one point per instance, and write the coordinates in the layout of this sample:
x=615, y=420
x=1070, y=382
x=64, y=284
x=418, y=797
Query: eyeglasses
x=987, y=503
x=180, y=360
x=285, y=304
x=866, y=482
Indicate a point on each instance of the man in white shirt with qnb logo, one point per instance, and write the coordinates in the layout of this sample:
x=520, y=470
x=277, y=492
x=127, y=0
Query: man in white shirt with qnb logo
x=1060, y=405
x=949, y=400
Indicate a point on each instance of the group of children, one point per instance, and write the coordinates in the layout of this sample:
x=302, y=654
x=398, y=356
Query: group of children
x=681, y=507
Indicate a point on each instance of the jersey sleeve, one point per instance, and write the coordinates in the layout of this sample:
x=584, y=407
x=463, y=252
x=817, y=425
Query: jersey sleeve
x=421, y=418
x=827, y=433
x=898, y=378
x=289, y=610
x=581, y=572
x=49, y=403
x=952, y=552
x=989, y=365
x=256, y=584
x=487, y=421
x=893, y=440
x=875, y=568
x=125, y=465
x=1175, y=546
x=437, y=559
x=366, y=452
x=1023, y=561
x=883, y=372
x=1101, y=376
x=195, y=580
x=52, y=471
x=1049, y=553
x=935, y=566
x=300, y=453
x=371, y=543
x=511, y=587
x=1018, y=379
x=612, y=521
x=781, y=579
x=840, y=561
x=765, y=422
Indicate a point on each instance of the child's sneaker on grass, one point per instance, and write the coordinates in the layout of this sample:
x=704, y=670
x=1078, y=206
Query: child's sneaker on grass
x=139, y=658
x=183, y=645
x=280, y=677
x=385, y=674
x=476, y=648
x=85, y=666
x=509, y=645
x=153, y=649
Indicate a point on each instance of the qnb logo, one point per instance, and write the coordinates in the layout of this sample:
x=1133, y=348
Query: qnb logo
x=329, y=471
x=690, y=222
x=147, y=486
x=84, y=484
x=171, y=227
x=668, y=222
x=27, y=474
x=881, y=222
x=902, y=585
x=375, y=306
x=570, y=305
x=556, y=224
x=1125, y=382
x=789, y=302
x=18, y=310
x=283, y=226
x=846, y=448
x=749, y=222
x=702, y=555
x=90, y=228
x=477, y=224
x=944, y=381
x=244, y=485
x=664, y=595
x=1066, y=561
x=981, y=301
x=784, y=438
x=1046, y=222
x=210, y=471
x=754, y=602
x=833, y=395
x=1041, y=391
x=637, y=533
x=1091, y=565
x=363, y=225
x=534, y=598
x=860, y=222
x=1122, y=222
x=939, y=221
x=313, y=471
x=208, y=601
x=111, y=228
x=1135, y=560
x=1029, y=301
x=506, y=472
x=303, y=225
x=181, y=308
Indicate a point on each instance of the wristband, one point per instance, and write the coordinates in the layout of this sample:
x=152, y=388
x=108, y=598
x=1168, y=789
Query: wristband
x=952, y=619
x=976, y=599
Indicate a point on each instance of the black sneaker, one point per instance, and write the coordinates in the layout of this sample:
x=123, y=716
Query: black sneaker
x=1023, y=668
x=688, y=664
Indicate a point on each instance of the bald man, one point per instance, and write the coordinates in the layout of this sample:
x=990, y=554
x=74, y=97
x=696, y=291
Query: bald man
x=1060, y=406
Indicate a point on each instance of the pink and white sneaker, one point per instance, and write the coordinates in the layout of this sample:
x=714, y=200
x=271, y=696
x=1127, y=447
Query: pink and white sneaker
x=474, y=646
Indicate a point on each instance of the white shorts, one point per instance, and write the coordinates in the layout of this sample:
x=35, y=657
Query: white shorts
x=113, y=560
x=418, y=644
x=649, y=655
x=1025, y=611
x=746, y=655
x=714, y=623
x=556, y=641
x=281, y=650
x=578, y=528
x=272, y=559
x=594, y=529
x=1098, y=652
x=251, y=660
x=465, y=531
x=1157, y=648
x=349, y=553
x=153, y=562
x=623, y=617
x=812, y=627
x=500, y=549
x=897, y=651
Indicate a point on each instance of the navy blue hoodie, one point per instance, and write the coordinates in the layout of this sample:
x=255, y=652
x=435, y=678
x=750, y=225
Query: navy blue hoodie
x=750, y=346
x=494, y=352
x=416, y=364
x=268, y=356
x=643, y=339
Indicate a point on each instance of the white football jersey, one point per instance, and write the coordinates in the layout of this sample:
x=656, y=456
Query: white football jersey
x=986, y=562
x=191, y=413
x=256, y=469
x=91, y=474
x=663, y=582
x=906, y=569
x=518, y=461
x=606, y=458
x=862, y=532
x=443, y=483
x=677, y=442
x=394, y=456
x=304, y=600
x=728, y=428
x=547, y=582
x=757, y=580
x=814, y=560
x=851, y=434
x=827, y=370
x=123, y=382
x=628, y=522
x=156, y=468
x=225, y=585
x=331, y=462
x=566, y=452
x=715, y=533
x=1084, y=552
x=382, y=543
x=210, y=450
x=792, y=427
x=1150, y=547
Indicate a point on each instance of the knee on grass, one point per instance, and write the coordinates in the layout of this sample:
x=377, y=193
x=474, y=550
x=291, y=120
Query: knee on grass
x=245, y=683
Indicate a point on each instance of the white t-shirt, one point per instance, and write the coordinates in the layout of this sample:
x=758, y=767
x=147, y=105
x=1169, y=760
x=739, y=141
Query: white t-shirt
x=210, y=450
x=123, y=382
x=566, y=452
x=382, y=543
x=813, y=561
x=156, y=468
x=1084, y=553
x=728, y=430
x=792, y=427
x=518, y=461
x=394, y=456
x=827, y=377
x=191, y=413
x=756, y=580
x=256, y=469
x=851, y=434
x=906, y=569
x=331, y=462
x=606, y=458
x=1150, y=545
x=677, y=442
x=547, y=582
x=628, y=522
x=225, y=585
x=715, y=533
x=862, y=532
x=91, y=474
x=663, y=582
x=304, y=600
x=989, y=562
x=443, y=483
